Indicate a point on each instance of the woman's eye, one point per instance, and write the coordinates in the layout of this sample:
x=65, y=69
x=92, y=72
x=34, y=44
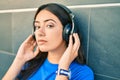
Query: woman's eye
x=50, y=26
x=37, y=27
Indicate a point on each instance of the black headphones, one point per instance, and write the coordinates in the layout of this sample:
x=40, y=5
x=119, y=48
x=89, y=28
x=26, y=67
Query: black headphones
x=69, y=28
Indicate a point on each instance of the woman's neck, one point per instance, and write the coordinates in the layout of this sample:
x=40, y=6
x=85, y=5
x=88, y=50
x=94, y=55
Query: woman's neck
x=55, y=55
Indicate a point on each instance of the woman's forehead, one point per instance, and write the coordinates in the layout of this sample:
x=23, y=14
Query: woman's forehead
x=46, y=15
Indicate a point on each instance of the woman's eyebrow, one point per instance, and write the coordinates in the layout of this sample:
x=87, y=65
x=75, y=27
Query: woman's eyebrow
x=36, y=22
x=50, y=20
x=45, y=21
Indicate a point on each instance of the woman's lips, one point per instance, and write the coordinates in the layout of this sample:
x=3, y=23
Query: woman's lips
x=41, y=42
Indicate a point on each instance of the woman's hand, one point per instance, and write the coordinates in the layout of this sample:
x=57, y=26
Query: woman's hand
x=69, y=55
x=71, y=52
x=26, y=51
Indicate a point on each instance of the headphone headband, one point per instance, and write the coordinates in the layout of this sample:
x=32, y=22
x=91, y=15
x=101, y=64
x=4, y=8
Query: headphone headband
x=71, y=15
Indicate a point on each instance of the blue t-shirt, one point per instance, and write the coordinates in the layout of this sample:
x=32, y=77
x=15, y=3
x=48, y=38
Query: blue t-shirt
x=48, y=72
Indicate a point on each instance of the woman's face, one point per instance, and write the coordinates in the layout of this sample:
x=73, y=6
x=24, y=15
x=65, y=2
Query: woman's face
x=48, y=31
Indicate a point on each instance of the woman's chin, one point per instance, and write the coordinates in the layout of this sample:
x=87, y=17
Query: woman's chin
x=43, y=50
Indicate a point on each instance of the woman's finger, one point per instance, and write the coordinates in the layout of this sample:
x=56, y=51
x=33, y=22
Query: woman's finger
x=30, y=39
x=70, y=41
x=76, y=43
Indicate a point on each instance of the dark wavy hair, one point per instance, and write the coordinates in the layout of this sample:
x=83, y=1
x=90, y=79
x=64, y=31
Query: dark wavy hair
x=34, y=64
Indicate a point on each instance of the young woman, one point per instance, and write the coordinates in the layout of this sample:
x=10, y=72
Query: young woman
x=58, y=54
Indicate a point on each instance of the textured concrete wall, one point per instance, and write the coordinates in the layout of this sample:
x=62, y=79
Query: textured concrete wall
x=98, y=24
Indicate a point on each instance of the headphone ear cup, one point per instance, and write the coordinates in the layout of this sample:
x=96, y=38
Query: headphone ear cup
x=67, y=32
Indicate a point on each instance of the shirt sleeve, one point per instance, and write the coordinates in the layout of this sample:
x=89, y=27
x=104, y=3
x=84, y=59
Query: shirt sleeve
x=82, y=73
x=19, y=76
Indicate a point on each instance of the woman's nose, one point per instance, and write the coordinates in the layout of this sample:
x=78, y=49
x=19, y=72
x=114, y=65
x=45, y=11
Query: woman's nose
x=41, y=31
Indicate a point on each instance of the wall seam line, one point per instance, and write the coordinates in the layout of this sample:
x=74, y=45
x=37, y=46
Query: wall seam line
x=5, y=52
x=88, y=37
x=75, y=6
x=107, y=76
